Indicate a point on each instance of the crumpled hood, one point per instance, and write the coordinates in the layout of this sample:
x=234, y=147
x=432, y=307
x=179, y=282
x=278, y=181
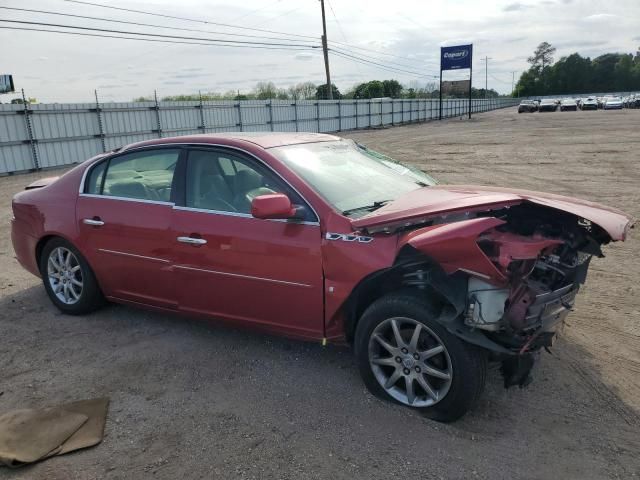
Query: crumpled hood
x=444, y=199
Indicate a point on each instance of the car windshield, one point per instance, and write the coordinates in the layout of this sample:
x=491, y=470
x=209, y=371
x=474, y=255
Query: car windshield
x=352, y=178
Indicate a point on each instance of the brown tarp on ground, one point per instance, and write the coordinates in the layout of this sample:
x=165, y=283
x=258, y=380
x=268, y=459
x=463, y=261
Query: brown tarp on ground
x=29, y=435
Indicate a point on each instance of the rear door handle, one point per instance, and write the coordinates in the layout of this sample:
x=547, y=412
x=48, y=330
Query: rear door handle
x=95, y=222
x=192, y=240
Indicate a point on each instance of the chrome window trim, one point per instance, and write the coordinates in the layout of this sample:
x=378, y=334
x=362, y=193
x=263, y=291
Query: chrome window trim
x=125, y=254
x=237, y=275
x=231, y=147
x=241, y=215
x=127, y=199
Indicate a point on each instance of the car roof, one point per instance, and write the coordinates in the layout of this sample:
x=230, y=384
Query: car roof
x=261, y=139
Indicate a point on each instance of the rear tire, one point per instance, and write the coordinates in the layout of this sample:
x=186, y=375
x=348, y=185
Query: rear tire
x=432, y=371
x=68, y=279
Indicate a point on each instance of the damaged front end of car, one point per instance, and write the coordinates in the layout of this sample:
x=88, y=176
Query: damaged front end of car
x=513, y=273
x=544, y=264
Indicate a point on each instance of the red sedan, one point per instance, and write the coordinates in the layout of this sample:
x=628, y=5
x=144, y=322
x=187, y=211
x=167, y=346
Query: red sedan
x=316, y=237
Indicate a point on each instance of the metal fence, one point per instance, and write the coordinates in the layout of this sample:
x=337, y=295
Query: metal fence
x=49, y=135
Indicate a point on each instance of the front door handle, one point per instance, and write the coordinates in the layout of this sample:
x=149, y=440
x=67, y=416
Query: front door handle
x=95, y=222
x=192, y=240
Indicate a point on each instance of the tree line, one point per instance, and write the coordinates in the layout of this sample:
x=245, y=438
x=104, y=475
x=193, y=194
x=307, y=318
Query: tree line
x=311, y=91
x=611, y=72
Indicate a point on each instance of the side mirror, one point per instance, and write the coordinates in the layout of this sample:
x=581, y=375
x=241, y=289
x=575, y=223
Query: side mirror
x=276, y=205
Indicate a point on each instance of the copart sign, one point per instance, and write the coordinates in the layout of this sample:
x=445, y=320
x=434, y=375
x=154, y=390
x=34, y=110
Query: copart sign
x=454, y=58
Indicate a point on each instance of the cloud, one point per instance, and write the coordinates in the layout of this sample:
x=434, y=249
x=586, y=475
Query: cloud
x=190, y=75
x=599, y=17
x=515, y=7
x=304, y=56
x=173, y=82
x=581, y=44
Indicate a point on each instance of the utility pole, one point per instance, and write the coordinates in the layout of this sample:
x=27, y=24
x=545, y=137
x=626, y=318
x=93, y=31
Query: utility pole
x=513, y=81
x=325, y=50
x=486, y=72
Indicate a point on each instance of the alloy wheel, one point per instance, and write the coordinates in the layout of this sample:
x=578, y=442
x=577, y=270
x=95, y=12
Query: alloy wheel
x=65, y=275
x=410, y=362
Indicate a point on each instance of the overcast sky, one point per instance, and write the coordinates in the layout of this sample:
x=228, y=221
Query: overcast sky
x=64, y=68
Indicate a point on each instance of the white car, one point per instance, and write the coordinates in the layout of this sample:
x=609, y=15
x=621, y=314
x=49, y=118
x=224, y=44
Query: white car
x=613, y=103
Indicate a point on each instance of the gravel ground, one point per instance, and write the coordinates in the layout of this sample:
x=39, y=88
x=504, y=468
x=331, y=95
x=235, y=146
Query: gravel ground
x=191, y=399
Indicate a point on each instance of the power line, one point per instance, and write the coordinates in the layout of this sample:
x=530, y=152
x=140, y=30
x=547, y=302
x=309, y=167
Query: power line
x=217, y=40
x=102, y=19
x=498, y=80
x=362, y=55
x=278, y=16
x=379, y=65
x=207, y=22
x=253, y=12
x=367, y=49
x=344, y=37
x=157, y=40
x=186, y=19
x=227, y=25
x=339, y=52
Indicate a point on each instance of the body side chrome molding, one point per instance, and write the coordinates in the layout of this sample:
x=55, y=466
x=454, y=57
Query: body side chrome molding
x=237, y=275
x=125, y=254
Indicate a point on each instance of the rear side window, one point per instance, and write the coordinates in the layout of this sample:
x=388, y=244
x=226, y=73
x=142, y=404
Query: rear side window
x=94, y=182
x=146, y=175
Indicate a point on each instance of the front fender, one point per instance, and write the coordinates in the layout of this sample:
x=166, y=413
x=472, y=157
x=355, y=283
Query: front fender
x=454, y=246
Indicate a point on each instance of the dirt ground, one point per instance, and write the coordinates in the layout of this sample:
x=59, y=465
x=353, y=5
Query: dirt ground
x=194, y=400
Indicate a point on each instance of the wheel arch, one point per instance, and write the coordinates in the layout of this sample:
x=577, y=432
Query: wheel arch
x=411, y=270
x=46, y=238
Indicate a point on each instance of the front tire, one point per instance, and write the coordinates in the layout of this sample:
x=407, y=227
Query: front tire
x=406, y=356
x=68, y=278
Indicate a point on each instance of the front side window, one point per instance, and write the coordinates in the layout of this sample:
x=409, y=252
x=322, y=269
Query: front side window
x=226, y=183
x=145, y=175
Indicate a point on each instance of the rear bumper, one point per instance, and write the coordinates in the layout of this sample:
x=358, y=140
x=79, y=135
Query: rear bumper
x=24, y=245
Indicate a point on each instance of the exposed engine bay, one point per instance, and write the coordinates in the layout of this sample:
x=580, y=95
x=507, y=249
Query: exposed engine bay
x=519, y=268
x=544, y=256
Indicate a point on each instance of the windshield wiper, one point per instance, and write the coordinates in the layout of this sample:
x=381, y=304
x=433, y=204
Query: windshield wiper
x=370, y=208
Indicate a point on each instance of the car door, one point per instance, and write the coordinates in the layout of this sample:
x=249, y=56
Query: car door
x=229, y=264
x=124, y=216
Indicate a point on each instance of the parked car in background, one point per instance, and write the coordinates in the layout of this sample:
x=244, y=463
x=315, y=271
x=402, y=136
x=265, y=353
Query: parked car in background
x=548, y=105
x=568, y=104
x=613, y=103
x=528, y=106
x=315, y=237
x=589, y=104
